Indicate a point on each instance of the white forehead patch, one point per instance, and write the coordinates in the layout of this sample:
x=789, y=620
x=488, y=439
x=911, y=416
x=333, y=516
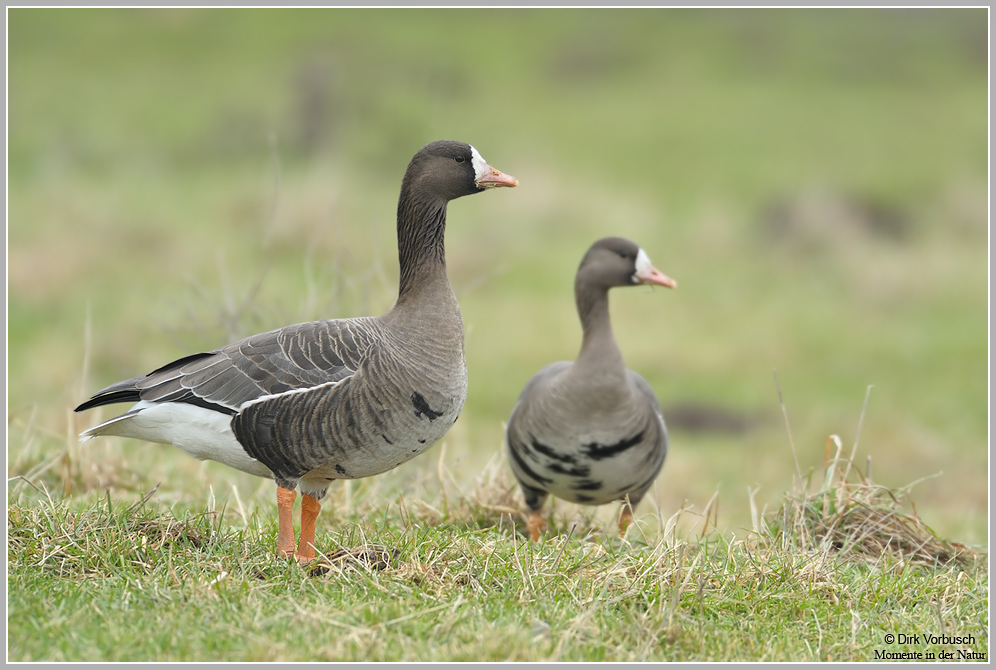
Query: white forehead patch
x=481, y=167
x=643, y=264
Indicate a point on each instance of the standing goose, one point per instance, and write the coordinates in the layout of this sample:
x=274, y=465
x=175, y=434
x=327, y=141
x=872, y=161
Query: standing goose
x=338, y=399
x=591, y=431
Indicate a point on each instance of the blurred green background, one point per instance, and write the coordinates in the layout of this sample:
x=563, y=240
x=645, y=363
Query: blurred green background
x=816, y=181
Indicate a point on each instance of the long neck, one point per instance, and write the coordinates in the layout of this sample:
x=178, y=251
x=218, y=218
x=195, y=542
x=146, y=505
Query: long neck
x=600, y=356
x=421, y=250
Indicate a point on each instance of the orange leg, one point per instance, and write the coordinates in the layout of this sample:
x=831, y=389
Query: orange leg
x=310, y=507
x=625, y=518
x=535, y=521
x=285, y=518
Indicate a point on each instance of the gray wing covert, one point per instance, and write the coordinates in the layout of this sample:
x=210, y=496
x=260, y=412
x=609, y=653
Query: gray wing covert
x=299, y=356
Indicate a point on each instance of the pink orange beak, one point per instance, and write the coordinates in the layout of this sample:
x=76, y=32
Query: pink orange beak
x=654, y=276
x=493, y=178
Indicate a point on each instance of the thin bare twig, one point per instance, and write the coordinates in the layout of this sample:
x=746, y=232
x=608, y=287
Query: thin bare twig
x=781, y=401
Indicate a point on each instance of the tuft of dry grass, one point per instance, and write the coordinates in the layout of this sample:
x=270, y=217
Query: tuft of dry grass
x=169, y=532
x=853, y=518
x=850, y=517
x=98, y=539
x=369, y=556
x=494, y=500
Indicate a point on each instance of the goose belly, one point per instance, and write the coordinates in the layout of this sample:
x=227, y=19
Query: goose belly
x=606, y=481
x=392, y=439
x=589, y=469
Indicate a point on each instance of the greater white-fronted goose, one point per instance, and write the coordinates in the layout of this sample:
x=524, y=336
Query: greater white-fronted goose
x=591, y=431
x=326, y=400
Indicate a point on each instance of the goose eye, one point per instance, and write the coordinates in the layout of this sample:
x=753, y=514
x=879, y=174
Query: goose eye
x=460, y=158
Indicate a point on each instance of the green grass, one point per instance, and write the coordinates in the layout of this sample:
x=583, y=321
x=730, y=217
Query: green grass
x=402, y=577
x=181, y=178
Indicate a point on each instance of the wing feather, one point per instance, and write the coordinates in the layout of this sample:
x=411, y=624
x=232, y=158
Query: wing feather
x=301, y=356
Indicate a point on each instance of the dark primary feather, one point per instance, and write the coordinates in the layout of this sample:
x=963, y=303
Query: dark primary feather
x=125, y=391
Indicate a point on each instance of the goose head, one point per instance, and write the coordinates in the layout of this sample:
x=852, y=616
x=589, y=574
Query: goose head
x=451, y=169
x=616, y=261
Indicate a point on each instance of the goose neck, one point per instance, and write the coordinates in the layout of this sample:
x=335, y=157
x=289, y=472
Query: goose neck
x=599, y=350
x=421, y=249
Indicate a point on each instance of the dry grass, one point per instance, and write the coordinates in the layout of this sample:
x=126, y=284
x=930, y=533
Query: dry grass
x=850, y=517
x=853, y=518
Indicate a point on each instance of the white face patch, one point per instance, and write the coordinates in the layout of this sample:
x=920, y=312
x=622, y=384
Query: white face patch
x=643, y=264
x=481, y=166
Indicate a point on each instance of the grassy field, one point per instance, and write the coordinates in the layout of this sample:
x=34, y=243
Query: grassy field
x=816, y=181
x=836, y=575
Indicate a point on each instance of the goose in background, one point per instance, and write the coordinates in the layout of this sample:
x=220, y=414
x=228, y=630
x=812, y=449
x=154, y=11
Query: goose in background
x=338, y=399
x=591, y=432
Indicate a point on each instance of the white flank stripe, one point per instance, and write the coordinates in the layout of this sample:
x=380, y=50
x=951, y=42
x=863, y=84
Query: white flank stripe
x=271, y=396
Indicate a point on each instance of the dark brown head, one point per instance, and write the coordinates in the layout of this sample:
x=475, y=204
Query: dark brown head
x=616, y=261
x=448, y=169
